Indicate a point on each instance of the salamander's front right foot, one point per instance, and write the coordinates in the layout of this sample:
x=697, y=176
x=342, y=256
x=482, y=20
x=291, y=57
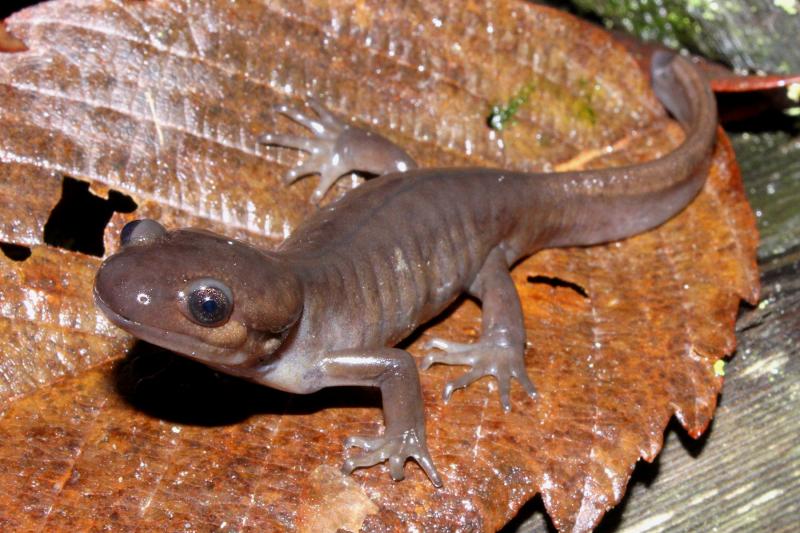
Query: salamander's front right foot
x=397, y=449
x=336, y=149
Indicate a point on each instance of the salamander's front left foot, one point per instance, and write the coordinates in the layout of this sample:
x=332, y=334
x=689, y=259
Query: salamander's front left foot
x=336, y=149
x=397, y=449
x=492, y=355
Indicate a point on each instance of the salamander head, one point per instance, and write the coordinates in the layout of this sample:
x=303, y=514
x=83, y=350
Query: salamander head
x=213, y=299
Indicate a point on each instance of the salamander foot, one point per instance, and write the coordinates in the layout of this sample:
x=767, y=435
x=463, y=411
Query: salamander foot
x=322, y=148
x=490, y=356
x=397, y=449
x=336, y=148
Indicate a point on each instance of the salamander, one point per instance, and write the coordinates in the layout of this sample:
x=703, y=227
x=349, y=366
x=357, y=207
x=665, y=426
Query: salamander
x=328, y=305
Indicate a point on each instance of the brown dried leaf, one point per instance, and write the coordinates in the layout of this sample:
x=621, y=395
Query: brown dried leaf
x=9, y=43
x=164, y=100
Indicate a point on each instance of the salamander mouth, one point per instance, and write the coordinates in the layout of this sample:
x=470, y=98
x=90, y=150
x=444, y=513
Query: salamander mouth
x=177, y=342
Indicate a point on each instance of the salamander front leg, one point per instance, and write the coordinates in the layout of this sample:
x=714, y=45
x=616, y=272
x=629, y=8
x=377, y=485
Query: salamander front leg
x=394, y=372
x=336, y=149
x=500, y=352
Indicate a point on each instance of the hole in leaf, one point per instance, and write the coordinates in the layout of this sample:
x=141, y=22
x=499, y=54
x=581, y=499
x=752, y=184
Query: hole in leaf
x=12, y=6
x=15, y=252
x=559, y=283
x=79, y=218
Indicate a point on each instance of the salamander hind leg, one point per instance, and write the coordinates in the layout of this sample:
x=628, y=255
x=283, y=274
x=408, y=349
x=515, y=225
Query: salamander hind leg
x=500, y=351
x=394, y=372
x=336, y=148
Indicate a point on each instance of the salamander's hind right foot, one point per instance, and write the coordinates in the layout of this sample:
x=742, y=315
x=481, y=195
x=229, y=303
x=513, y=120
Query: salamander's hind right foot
x=490, y=356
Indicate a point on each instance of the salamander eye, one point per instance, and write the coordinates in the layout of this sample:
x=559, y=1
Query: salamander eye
x=141, y=232
x=209, y=302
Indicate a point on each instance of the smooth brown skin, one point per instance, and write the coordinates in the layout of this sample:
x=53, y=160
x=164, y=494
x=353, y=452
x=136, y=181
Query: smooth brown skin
x=361, y=274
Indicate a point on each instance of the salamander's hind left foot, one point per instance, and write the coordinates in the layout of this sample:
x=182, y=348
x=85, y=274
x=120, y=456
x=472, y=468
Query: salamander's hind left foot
x=490, y=356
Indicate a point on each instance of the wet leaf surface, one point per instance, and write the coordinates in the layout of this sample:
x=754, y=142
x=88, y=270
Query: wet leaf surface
x=163, y=102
